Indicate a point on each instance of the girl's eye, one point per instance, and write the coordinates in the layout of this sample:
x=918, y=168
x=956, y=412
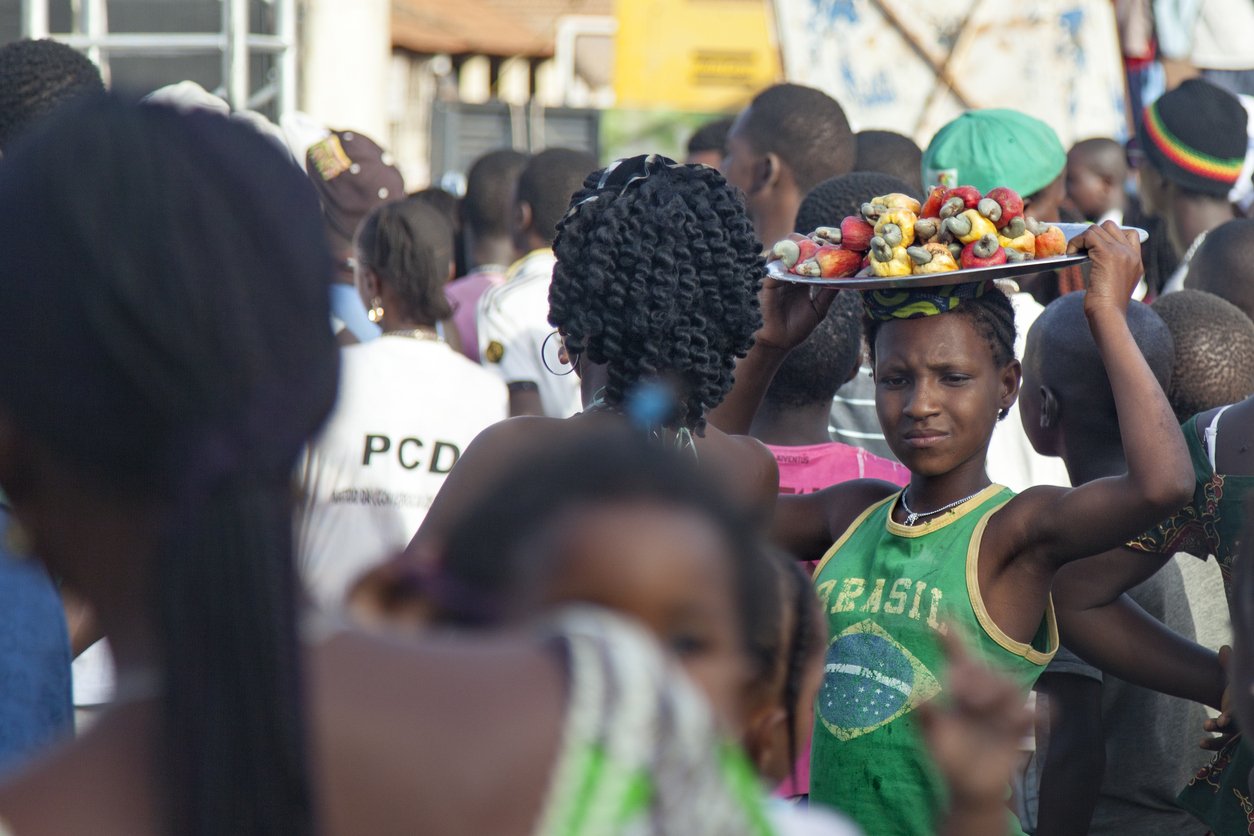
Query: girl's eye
x=892, y=381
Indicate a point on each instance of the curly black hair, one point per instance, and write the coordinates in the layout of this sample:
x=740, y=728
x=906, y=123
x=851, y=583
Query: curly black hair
x=993, y=316
x=1214, y=351
x=836, y=198
x=36, y=78
x=660, y=280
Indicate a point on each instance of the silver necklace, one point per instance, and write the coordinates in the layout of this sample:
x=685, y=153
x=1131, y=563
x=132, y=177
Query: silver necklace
x=427, y=334
x=913, y=517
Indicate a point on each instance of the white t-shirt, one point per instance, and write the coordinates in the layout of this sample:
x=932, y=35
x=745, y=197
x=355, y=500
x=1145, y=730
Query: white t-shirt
x=513, y=325
x=1011, y=460
x=407, y=409
x=1223, y=35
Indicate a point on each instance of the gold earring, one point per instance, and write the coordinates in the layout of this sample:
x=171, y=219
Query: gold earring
x=375, y=314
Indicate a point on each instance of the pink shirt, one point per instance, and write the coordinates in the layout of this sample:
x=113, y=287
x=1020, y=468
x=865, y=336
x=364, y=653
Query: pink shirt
x=816, y=466
x=808, y=469
x=463, y=295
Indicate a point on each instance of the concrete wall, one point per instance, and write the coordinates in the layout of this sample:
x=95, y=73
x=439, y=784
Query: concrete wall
x=346, y=54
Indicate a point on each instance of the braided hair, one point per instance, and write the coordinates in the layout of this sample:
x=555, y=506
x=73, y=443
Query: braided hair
x=992, y=315
x=659, y=280
x=183, y=358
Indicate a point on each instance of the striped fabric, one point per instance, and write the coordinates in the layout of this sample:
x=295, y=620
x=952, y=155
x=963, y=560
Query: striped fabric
x=1189, y=159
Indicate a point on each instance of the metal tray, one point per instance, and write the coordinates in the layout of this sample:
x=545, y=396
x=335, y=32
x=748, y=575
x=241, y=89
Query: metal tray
x=973, y=274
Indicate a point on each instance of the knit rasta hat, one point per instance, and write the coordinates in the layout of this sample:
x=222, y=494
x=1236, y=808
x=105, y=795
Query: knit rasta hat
x=1195, y=136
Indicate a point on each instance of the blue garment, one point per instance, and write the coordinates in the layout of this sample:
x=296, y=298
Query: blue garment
x=35, y=704
x=347, y=308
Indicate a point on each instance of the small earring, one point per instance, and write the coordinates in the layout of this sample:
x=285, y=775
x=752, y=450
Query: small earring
x=375, y=314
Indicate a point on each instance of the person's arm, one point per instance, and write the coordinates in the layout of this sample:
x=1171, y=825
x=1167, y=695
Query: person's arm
x=1052, y=526
x=1074, y=754
x=1124, y=640
x=806, y=525
x=1110, y=631
x=790, y=311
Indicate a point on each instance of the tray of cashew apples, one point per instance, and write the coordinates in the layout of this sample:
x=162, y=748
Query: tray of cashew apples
x=956, y=236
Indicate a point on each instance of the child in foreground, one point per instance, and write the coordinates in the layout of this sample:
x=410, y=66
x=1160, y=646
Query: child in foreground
x=951, y=548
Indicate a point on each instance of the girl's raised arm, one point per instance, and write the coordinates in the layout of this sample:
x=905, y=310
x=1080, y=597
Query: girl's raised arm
x=1053, y=526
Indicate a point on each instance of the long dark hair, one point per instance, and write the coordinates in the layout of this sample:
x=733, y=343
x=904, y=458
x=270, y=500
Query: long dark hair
x=409, y=246
x=182, y=355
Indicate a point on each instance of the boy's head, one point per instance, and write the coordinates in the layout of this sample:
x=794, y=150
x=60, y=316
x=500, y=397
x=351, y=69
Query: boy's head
x=828, y=358
x=1224, y=265
x=836, y=198
x=708, y=143
x=1214, y=351
x=1096, y=171
x=543, y=194
x=1194, y=141
x=788, y=140
x=36, y=78
x=1066, y=394
x=990, y=148
x=890, y=153
x=490, y=185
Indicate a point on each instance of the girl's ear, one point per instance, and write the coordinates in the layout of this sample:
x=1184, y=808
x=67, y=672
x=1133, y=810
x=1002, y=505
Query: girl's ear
x=1011, y=376
x=368, y=284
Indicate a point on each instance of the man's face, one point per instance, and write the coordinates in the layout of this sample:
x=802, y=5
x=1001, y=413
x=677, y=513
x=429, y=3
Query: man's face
x=713, y=159
x=741, y=162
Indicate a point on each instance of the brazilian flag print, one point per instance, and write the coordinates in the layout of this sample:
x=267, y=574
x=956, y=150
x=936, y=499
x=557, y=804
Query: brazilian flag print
x=869, y=681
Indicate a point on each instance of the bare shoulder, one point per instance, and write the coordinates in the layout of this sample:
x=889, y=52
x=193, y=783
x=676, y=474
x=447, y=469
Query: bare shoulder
x=745, y=466
x=1024, y=520
x=844, y=503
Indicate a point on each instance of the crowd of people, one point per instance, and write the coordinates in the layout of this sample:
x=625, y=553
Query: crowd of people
x=545, y=509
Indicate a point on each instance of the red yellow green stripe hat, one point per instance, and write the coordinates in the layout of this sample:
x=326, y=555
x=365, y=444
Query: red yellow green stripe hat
x=1195, y=136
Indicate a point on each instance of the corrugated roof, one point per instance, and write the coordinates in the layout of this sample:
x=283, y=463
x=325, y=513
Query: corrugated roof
x=487, y=27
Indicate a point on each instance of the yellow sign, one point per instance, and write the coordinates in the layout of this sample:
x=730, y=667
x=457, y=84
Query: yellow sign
x=697, y=55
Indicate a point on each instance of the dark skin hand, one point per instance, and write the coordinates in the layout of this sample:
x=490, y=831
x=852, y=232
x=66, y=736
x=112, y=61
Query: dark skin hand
x=929, y=383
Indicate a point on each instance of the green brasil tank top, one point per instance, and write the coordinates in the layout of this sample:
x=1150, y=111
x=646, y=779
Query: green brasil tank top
x=889, y=589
